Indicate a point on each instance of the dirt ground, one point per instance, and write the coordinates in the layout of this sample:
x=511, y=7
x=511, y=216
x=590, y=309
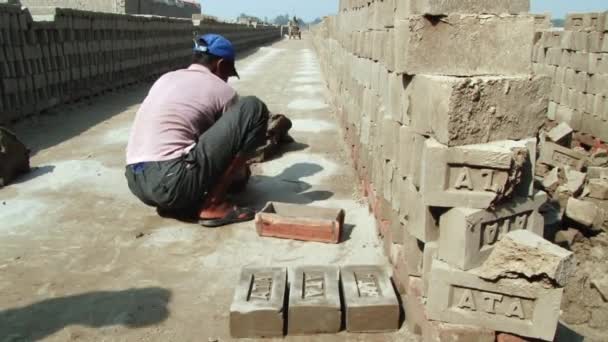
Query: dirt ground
x=83, y=260
x=583, y=307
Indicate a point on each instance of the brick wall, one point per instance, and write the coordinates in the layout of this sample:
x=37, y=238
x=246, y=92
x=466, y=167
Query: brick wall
x=432, y=95
x=79, y=54
x=576, y=59
x=151, y=7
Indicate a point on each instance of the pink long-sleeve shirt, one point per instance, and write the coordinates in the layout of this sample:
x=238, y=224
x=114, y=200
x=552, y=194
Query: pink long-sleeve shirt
x=180, y=106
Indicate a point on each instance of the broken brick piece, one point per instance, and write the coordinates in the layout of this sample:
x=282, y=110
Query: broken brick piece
x=298, y=222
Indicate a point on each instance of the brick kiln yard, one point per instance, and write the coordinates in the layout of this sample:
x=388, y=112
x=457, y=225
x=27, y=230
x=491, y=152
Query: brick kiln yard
x=83, y=260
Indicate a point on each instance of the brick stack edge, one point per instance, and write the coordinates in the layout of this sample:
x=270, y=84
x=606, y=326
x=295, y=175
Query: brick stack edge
x=80, y=54
x=437, y=100
x=576, y=59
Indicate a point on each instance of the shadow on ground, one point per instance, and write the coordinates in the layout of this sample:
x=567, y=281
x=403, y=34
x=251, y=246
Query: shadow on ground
x=67, y=121
x=35, y=172
x=287, y=187
x=134, y=308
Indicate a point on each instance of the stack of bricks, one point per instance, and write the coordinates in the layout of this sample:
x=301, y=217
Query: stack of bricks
x=576, y=58
x=440, y=107
x=177, y=9
x=80, y=54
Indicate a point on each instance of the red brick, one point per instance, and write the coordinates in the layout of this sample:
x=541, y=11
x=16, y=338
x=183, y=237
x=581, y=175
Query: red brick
x=305, y=223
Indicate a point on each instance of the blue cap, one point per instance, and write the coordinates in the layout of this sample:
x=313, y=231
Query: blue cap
x=216, y=45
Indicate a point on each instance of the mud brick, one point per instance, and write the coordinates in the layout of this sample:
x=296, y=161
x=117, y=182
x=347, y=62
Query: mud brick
x=559, y=156
x=257, y=307
x=552, y=110
x=397, y=227
x=579, y=61
x=420, y=220
x=467, y=236
x=556, y=92
x=568, y=115
x=596, y=39
x=473, y=176
x=553, y=56
x=551, y=39
x=560, y=75
x=425, y=45
x=314, y=300
x=411, y=145
x=400, y=271
x=595, y=61
x=438, y=104
x=441, y=7
x=581, y=41
x=598, y=84
x=368, y=296
x=413, y=253
x=445, y=332
x=432, y=331
x=514, y=305
x=429, y=254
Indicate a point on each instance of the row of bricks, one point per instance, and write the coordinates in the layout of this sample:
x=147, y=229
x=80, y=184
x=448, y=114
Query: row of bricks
x=574, y=40
x=378, y=14
x=426, y=103
x=593, y=63
x=315, y=301
x=48, y=52
x=69, y=81
x=595, y=84
x=17, y=105
x=420, y=45
x=451, y=238
x=439, y=167
x=596, y=105
x=68, y=78
x=594, y=22
x=42, y=59
x=86, y=64
x=580, y=121
x=460, y=246
x=51, y=35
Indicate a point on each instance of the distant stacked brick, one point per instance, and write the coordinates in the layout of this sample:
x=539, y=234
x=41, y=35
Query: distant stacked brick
x=150, y=7
x=576, y=59
x=440, y=107
x=80, y=54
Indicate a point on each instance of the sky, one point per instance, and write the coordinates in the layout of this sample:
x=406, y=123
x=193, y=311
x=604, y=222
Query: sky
x=305, y=9
x=559, y=8
x=311, y=9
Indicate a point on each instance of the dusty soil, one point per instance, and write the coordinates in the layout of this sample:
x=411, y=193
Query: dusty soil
x=584, y=309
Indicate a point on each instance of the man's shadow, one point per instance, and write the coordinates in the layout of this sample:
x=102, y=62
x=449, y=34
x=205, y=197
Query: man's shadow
x=287, y=187
x=133, y=308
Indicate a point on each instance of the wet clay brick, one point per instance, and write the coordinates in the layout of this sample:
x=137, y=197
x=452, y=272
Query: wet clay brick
x=370, y=300
x=418, y=322
x=510, y=305
x=475, y=176
x=257, y=307
x=314, y=300
x=468, y=236
x=298, y=222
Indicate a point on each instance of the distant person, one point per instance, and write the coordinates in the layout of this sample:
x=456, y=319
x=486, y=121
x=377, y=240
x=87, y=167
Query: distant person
x=192, y=137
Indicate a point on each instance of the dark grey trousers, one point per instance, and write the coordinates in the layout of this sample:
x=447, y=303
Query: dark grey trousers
x=180, y=185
